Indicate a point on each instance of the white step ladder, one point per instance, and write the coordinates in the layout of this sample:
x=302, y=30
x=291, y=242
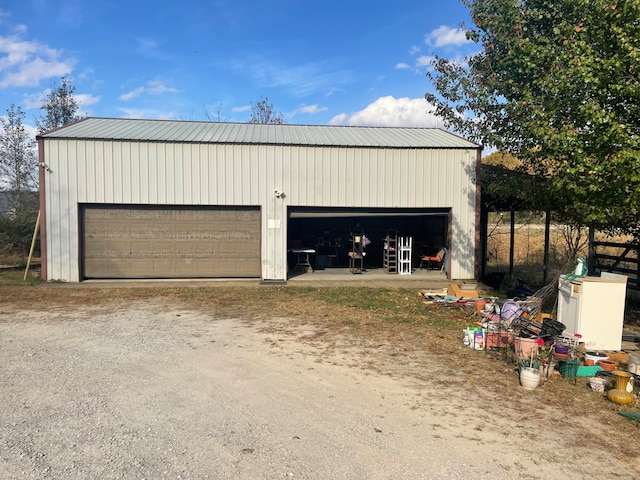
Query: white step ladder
x=404, y=255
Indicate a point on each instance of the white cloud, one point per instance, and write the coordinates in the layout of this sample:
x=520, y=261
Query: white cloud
x=148, y=47
x=147, y=113
x=132, y=94
x=153, y=87
x=424, y=60
x=311, y=109
x=333, y=91
x=444, y=36
x=243, y=108
x=392, y=112
x=27, y=63
x=35, y=100
x=341, y=119
x=402, y=66
x=414, y=50
x=86, y=99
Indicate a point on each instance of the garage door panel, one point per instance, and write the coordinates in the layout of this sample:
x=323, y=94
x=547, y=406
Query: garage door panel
x=245, y=268
x=185, y=267
x=160, y=249
x=122, y=242
x=227, y=266
x=162, y=268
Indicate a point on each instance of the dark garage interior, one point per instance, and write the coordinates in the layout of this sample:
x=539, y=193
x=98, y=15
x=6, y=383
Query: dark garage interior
x=329, y=231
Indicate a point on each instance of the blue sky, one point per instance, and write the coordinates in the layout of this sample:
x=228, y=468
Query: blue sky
x=342, y=62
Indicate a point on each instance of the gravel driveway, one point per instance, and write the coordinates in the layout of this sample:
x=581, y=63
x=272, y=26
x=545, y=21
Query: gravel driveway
x=150, y=392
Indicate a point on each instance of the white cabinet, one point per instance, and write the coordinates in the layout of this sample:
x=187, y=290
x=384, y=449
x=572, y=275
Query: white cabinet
x=594, y=308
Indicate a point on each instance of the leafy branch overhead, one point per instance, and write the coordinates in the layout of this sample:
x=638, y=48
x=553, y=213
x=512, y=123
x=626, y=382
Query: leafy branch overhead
x=60, y=106
x=263, y=112
x=18, y=171
x=556, y=84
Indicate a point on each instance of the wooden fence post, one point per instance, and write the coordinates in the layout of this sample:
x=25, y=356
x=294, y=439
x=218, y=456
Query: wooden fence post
x=33, y=243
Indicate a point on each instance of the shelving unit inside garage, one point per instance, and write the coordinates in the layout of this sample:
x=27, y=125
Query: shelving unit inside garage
x=396, y=256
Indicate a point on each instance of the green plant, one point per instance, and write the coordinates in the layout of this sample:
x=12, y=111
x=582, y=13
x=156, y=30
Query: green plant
x=15, y=277
x=16, y=233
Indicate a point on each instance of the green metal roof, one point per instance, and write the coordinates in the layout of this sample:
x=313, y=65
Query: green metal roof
x=175, y=131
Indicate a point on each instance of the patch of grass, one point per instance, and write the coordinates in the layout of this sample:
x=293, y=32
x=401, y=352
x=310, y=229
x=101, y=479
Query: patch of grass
x=15, y=277
x=398, y=305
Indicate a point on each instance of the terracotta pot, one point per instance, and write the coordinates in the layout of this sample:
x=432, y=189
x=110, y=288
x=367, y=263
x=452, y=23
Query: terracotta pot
x=526, y=347
x=560, y=356
x=608, y=365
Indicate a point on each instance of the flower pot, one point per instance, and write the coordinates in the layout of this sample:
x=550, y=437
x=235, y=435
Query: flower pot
x=526, y=347
x=561, y=349
x=608, y=365
x=597, y=384
x=592, y=358
x=529, y=378
x=560, y=356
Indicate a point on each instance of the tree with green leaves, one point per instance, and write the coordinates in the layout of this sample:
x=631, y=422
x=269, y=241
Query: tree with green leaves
x=18, y=185
x=263, y=112
x=18, y=164
x=556, y=83
x=60, y=106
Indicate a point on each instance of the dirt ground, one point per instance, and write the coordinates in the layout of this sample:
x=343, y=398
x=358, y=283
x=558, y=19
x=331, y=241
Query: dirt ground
x=279, y=383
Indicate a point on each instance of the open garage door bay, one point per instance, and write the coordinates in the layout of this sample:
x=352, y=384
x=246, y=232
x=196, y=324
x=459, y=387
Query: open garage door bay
x=170, y=242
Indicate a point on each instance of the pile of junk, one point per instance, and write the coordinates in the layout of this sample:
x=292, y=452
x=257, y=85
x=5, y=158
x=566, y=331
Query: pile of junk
x=517, y=330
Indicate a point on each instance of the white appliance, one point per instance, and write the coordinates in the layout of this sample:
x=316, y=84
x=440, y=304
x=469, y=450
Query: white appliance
x=594, y=308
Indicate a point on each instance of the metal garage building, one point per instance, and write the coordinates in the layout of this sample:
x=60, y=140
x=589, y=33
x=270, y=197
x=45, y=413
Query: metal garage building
x=124, y=198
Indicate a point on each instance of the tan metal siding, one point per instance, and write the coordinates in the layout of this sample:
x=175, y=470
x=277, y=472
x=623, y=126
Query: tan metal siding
x=90, y=171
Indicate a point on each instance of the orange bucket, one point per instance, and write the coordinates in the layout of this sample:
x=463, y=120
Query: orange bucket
x=480, y=304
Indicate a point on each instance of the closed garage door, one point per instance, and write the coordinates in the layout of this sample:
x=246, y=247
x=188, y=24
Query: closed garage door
x=147, y=242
